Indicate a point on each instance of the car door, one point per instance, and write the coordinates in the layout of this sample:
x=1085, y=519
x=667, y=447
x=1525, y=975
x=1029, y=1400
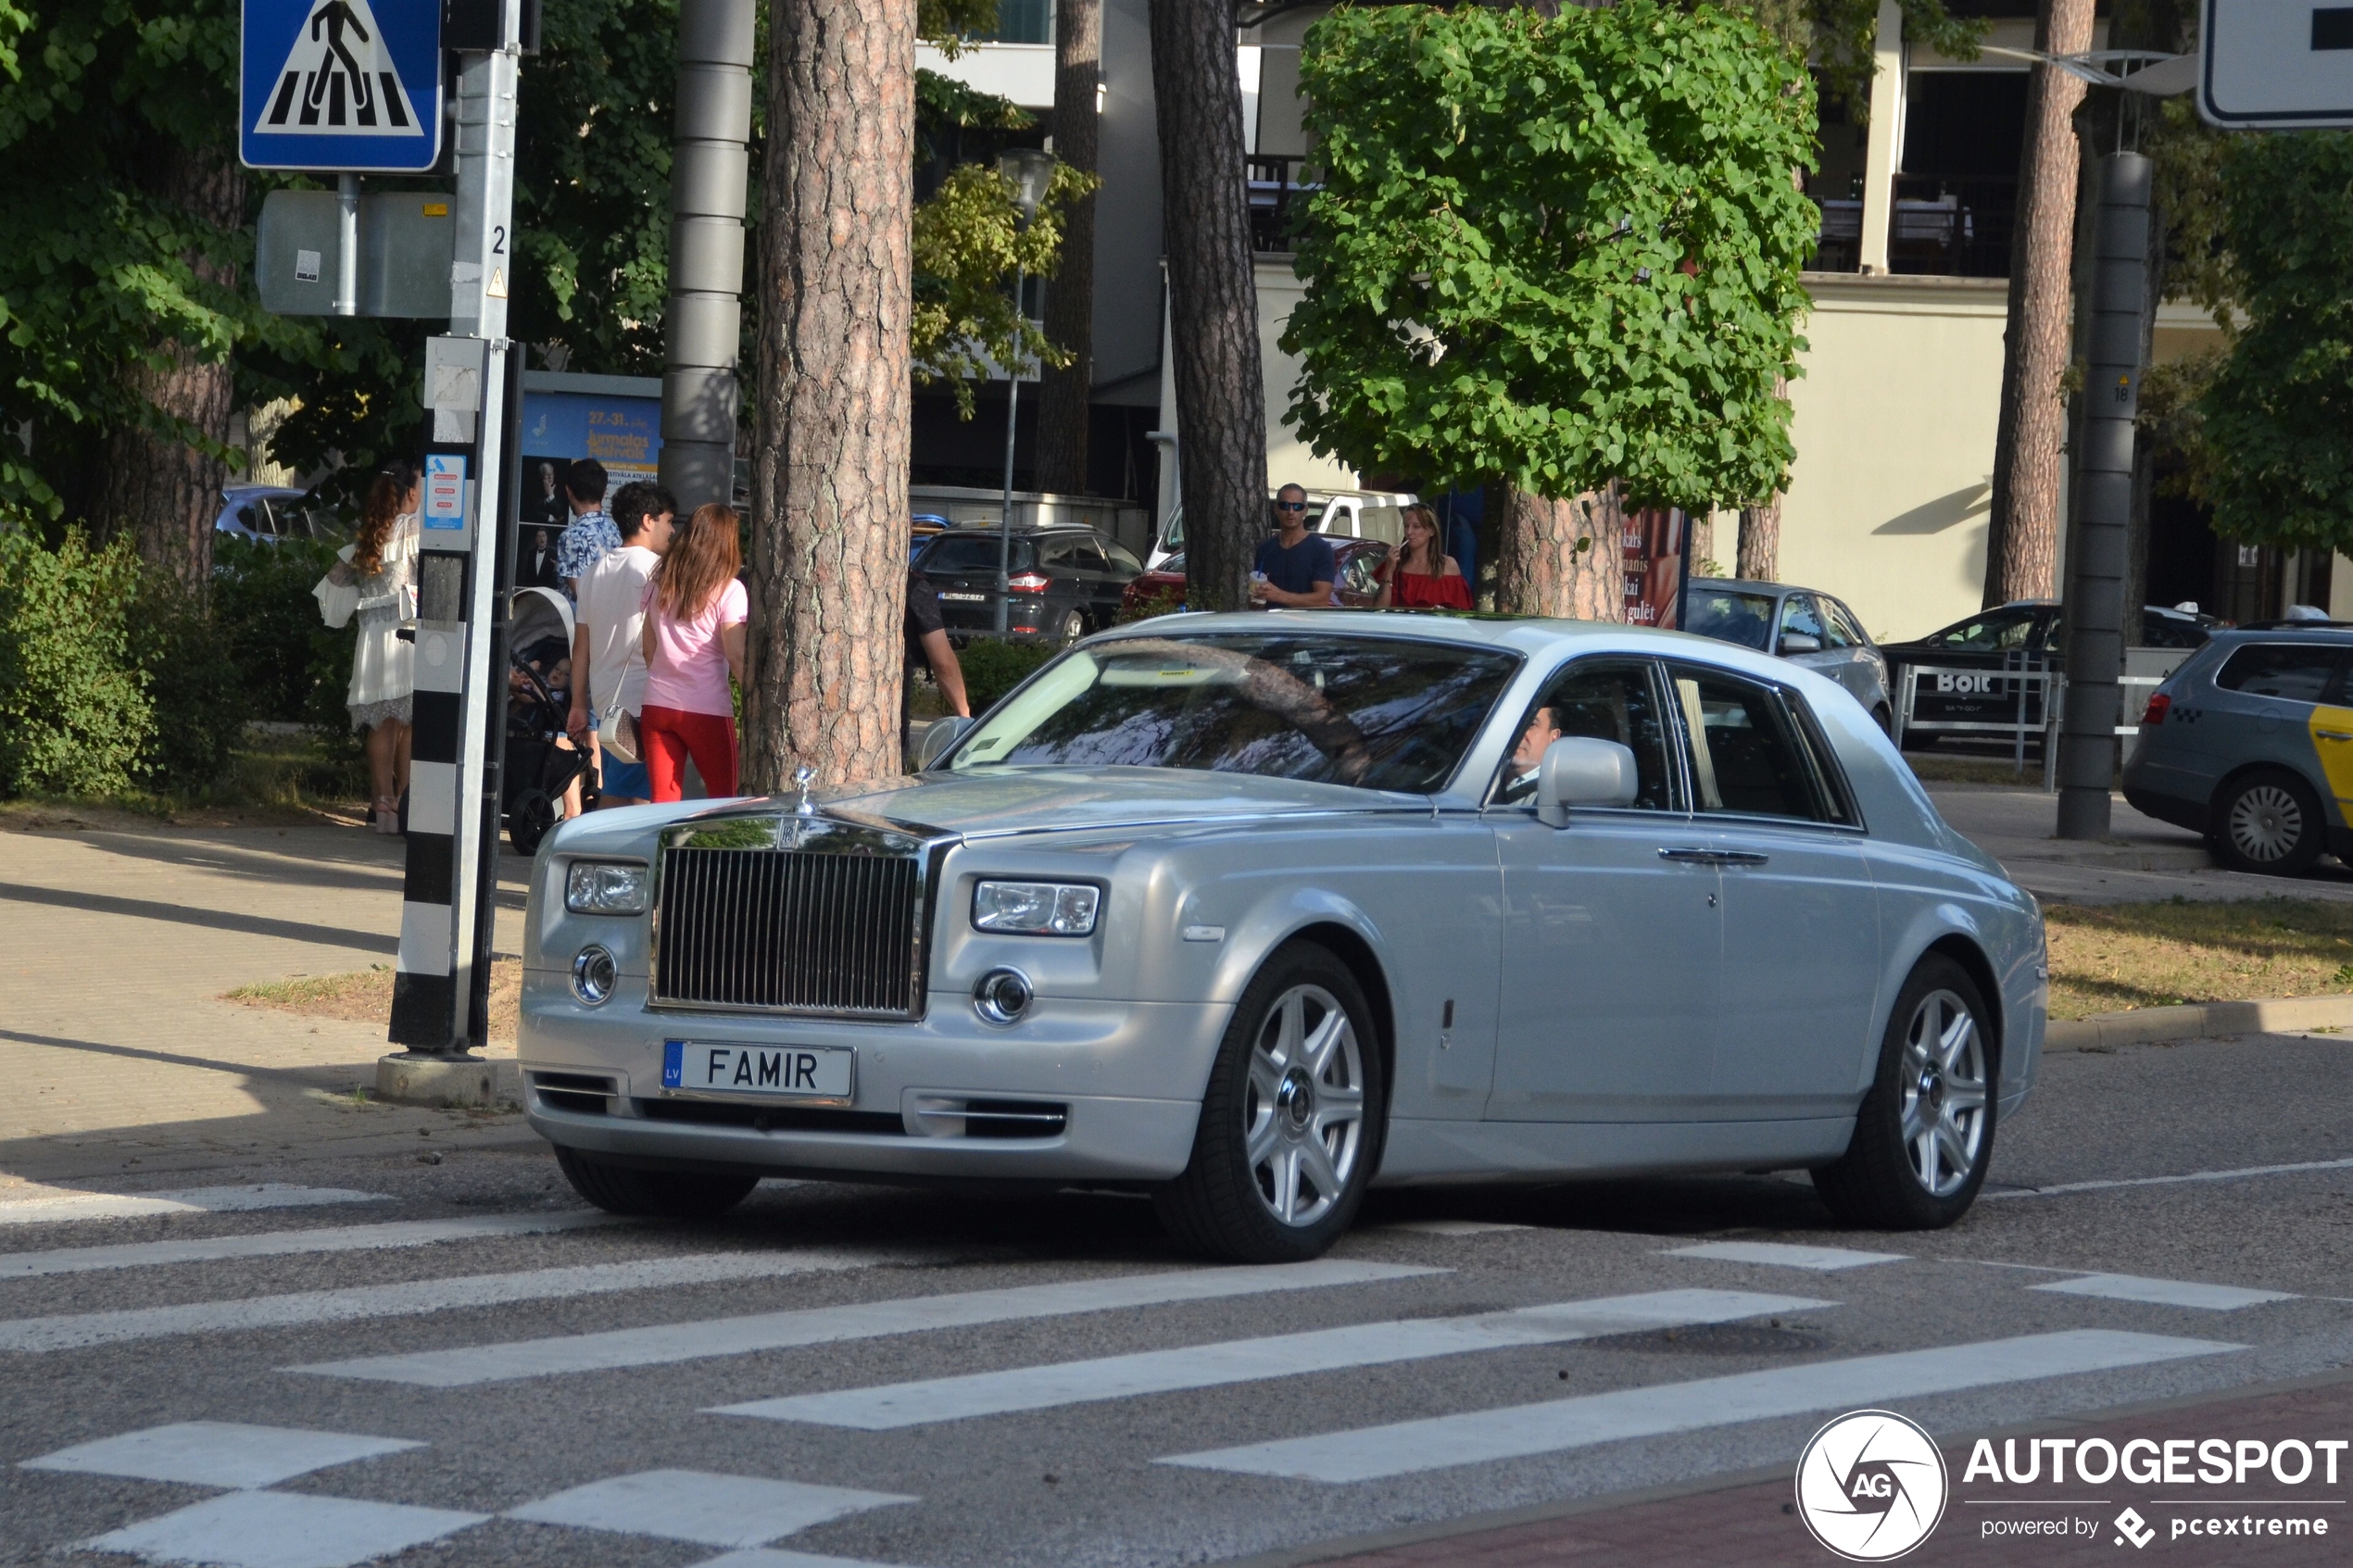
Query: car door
x=1611, y=927
x=1866, y=665
x=2268, y=706
x=1803, y=639
x=1801, y=920
x=1120, y=568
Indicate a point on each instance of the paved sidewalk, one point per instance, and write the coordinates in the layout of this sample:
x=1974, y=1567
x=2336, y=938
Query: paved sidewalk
x=120, y=1053
x=1752, y=1523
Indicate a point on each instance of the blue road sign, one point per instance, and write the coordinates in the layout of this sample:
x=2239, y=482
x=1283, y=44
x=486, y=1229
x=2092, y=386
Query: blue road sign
x=343, y=85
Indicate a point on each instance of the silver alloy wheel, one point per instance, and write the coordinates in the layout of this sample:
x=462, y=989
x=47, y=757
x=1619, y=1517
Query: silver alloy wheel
x=1943, y=1093
x=1303, y=1117
x=2266, y=823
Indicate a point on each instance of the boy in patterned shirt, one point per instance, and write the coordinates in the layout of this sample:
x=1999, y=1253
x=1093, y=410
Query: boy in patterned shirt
x=591, y=533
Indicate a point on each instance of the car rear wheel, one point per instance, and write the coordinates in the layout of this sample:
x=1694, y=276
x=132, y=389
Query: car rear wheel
x=1290, y=1128
x=1924, y=1133
x=2268, y=822
x=1883, y=718
x=1073, y=627
x=677, y=1195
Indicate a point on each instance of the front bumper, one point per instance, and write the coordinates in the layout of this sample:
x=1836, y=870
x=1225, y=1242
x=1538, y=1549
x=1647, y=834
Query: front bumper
x=1115, y=1087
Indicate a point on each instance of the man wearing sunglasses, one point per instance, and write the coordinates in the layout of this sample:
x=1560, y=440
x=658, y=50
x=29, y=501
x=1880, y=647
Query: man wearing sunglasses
x=1295, y=569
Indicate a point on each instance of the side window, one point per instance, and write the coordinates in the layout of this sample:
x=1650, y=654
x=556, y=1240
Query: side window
x=1059, y=554
x=1843, y=624
x=1121, y=561
x=1357, y=575
x=2293, y=671
x=1798, y=618
x=1607, y=701
x=1999, y=632
x=1747, y=758
x=1086, y=555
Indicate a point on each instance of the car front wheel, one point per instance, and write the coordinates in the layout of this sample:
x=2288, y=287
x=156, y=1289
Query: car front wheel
x=1290, y=1128
x=676, y=1195
x=1924, y=1133
x=2268, y=822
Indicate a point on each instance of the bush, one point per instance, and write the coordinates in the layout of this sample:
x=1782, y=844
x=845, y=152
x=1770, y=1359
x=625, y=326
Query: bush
x=75, y=715
x=201, y=698
x=262, y=601
x=993, y=667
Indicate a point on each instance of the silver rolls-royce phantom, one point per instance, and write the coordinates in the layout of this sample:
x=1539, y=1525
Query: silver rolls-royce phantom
x=1254, y=911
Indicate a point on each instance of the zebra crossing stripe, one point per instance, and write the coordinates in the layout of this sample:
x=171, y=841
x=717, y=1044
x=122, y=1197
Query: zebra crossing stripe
x=692, y=1505
x=218, y=1454
x=51, y=1206
x=773, y=1557
x=284, y=1530
x=1249, y=1360
x=79, y=1330
x=281, y=1243
x=1782, y=1255
x=1408, y=1448
x=2165, y=1292
x=666, y=1344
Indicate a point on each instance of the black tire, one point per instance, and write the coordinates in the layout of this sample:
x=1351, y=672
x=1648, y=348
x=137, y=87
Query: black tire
x=1225, y=1203
x=1878, y=1183
x=2269, y=821
x=532, y=818
x=673, y=1194
x=1072, y=628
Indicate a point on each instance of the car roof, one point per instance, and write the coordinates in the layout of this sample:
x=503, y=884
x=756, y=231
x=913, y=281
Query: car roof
x=2311, y=632
x=1522, y=634
x=1748, y=586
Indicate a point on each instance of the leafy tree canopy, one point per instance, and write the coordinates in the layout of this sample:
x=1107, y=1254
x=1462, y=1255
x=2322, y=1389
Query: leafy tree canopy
x=1555, y=250
x=2276, y=414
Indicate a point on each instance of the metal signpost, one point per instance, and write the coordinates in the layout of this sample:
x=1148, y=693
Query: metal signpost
x=345, y=86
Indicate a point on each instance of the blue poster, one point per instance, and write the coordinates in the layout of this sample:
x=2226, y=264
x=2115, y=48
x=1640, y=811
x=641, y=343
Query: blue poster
x=620, y=432
x=341, y=85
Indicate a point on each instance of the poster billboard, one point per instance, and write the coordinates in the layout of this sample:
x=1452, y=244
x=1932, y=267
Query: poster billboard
x=616, y=420
x=1654, y=540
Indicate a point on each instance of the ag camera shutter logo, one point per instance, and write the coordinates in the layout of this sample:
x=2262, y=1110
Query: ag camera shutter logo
x=1871, y=1485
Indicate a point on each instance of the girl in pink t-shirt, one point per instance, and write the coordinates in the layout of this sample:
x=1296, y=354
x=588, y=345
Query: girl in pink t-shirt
x=693, y=640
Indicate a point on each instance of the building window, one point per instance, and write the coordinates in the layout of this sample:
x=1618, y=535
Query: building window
x=1957, y=191
x=1021, y=21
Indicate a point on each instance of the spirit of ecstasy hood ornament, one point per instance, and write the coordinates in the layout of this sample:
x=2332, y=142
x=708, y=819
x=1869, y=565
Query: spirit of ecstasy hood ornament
x=802, y=777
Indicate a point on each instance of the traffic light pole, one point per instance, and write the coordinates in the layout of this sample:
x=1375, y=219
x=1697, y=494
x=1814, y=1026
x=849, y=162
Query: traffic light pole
x=450, y=890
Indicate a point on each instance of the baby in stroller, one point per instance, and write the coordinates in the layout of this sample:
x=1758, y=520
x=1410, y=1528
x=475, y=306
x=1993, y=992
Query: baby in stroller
x=545, y=771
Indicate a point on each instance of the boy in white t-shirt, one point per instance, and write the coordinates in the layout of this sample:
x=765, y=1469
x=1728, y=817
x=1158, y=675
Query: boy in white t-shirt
x=606, y=659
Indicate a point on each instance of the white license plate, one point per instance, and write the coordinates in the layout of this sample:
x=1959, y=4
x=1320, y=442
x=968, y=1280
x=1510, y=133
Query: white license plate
x=966, y=598
x=785, y=1072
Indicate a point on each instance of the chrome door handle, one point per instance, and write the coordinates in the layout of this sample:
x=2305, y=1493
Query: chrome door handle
x=1740, y=858
x=1713, y=856
x=2332, y=735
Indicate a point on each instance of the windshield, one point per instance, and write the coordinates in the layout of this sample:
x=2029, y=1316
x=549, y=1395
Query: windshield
x=1374, y=712
x=954, y=555
x=1996, y=631
x=1745, y=619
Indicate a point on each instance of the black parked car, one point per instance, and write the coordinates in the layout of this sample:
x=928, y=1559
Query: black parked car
x=1065, y=580
x=1968, y=695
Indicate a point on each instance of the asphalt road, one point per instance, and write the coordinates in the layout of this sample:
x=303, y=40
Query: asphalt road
x=535, y=1386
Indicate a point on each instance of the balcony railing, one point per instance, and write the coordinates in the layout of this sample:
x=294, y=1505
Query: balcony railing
x=1955, y=228
x=1278, y=199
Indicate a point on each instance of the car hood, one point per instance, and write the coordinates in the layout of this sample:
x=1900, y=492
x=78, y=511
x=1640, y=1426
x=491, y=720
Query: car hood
x=1014, y=800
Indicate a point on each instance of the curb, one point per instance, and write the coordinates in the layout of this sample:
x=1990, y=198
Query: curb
x=2196, y=1021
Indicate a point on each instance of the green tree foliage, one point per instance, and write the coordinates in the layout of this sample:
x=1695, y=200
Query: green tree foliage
x=2276, y=414
x=968, y=243
x=1560, y=251
x=95, y=272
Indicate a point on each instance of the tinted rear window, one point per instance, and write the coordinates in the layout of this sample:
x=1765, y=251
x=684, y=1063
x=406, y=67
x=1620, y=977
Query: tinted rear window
x=2297, y=672
x=961, y=554
x=1745, y=619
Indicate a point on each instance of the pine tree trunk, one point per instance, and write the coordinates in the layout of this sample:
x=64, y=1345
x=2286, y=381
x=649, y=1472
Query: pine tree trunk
x=829, y=536
x=1063, y=404
x=1760, y=546
x=154, y=486
x=1212, y=299
x=1540, y=570
x=2022, y=551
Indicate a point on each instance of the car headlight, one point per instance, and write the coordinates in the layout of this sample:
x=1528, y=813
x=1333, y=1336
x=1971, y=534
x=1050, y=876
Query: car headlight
x=605, y=887
x=1037, y=909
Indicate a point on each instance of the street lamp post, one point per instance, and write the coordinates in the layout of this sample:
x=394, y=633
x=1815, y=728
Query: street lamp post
x=1027, y=170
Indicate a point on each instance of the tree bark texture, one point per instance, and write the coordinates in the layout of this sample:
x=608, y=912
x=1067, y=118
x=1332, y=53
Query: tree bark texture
x=1212, y=299
x=2021, y=549
x=153, y=485
x=1760, y=546
x=1540, y=569
x=1064, y=403
x=829, y=536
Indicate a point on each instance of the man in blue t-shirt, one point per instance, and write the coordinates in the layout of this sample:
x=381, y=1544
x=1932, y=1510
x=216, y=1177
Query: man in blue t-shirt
x=1295, y=569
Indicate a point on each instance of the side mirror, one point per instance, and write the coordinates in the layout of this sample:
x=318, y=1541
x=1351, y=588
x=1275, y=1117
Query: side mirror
x=1580, y=770
x=943, y=734
x=1800, y=642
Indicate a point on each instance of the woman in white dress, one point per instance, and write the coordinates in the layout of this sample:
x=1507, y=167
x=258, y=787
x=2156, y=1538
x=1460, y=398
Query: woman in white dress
x=377, y=577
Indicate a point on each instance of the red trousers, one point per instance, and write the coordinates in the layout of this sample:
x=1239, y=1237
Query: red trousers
x=667, y=737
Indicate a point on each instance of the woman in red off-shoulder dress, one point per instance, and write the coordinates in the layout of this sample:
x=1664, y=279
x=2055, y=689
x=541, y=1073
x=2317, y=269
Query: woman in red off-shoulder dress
x=1421, y=575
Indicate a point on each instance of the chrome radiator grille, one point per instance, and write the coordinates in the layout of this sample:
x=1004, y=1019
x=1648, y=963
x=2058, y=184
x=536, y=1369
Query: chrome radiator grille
x=789, y=931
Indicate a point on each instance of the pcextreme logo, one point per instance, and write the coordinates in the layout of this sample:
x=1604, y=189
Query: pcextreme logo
x=1871, y=1485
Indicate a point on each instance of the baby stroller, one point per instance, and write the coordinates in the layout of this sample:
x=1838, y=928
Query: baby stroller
x=538, y=706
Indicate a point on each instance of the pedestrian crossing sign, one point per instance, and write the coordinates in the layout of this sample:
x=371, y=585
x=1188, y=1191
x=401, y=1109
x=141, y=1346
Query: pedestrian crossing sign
x=343, y=85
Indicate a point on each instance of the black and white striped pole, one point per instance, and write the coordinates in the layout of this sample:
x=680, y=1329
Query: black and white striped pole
x=449, y=889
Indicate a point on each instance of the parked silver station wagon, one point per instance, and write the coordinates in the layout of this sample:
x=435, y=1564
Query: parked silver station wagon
x=1254, y=911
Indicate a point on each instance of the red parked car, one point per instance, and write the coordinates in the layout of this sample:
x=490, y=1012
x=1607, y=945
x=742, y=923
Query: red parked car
x=1358, y=559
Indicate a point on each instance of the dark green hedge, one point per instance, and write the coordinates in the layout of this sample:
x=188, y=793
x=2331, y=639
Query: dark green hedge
x=993, y=669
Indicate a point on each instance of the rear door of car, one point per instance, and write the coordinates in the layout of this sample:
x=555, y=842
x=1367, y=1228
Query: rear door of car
x=1801, y=967
x=1801, y=617
x=2280, y=703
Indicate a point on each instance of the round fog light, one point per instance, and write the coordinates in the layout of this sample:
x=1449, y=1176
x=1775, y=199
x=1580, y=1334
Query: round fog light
x=1002, y=996
x=593, y=975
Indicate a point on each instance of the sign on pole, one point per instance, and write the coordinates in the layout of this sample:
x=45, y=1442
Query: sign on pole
x=2276, y=65
x=348, y=85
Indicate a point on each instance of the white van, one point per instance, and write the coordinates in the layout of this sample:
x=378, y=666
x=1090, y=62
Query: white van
x=1338, y=514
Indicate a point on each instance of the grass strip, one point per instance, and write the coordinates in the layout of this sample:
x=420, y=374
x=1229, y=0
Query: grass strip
x=2114, y=957
x=365, y=995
